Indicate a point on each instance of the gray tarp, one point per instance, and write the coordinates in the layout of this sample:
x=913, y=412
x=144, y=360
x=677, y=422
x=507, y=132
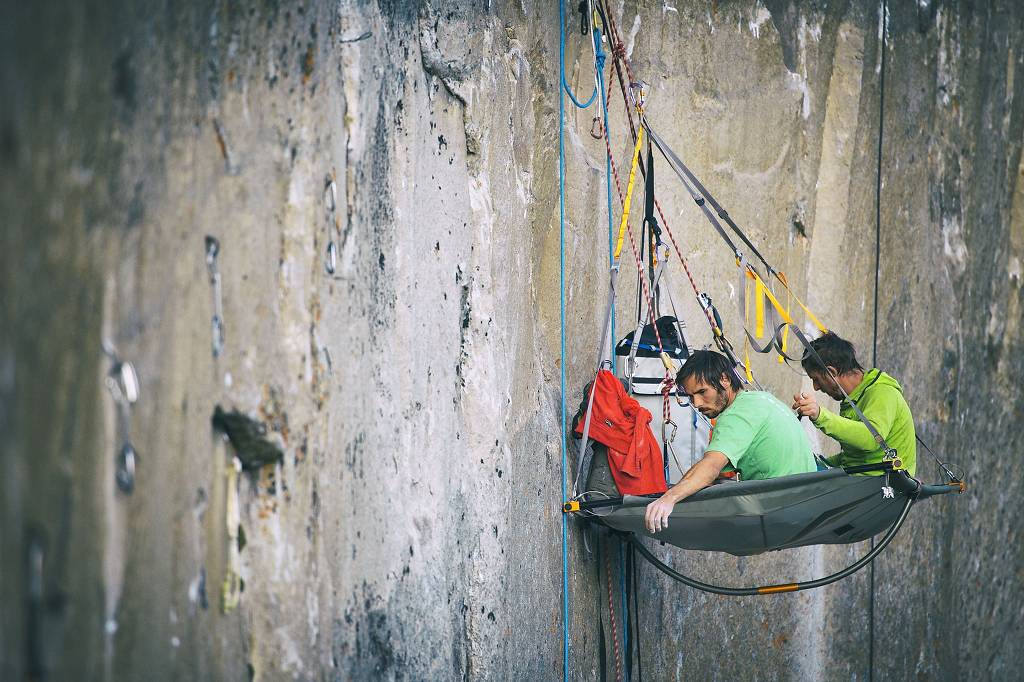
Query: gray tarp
x=751, y=517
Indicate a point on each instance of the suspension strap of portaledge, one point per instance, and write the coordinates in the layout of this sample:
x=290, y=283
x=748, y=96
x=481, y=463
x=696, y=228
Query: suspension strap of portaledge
x=702, y=198
x=606, y=328
x=722, y=213
x=602, y=360
x=676, y=165
x=942, y=465
x=774, y=589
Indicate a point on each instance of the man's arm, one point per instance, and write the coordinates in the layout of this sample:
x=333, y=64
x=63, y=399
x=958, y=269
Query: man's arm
x=701, y=475
x=852, y=434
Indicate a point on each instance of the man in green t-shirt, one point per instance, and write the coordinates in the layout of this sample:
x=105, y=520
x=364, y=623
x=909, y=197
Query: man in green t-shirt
x=878, y=395
x=754, y=432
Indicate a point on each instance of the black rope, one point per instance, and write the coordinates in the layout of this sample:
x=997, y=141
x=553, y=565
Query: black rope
x=636, y=616
x=874, y=336
x=602, y=651
x=630, y=635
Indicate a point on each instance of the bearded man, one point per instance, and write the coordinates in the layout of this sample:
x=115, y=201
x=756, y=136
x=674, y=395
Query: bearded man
x=754, y=432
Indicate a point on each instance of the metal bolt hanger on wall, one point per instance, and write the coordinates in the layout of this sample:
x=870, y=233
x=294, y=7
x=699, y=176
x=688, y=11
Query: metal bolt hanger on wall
x=123, y=384
x=213, y=268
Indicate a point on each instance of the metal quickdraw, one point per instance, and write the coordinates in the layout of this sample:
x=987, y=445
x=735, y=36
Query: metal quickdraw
x=638, y=92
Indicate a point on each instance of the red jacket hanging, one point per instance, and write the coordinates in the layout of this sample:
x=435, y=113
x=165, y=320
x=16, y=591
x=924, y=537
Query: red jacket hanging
x=618, y=422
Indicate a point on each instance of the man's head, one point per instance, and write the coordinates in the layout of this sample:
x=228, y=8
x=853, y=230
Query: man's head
x=840, y=362
x=709, y=380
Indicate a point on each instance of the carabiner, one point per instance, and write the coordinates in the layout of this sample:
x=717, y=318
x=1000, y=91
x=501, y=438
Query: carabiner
x=330, y=193
x=124, y=472
x=675, y=430
x=331, y=262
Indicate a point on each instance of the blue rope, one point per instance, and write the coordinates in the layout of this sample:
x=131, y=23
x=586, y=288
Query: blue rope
x=561, y=296
x=611, y=262
x=565, y=90
x=607, y=166
x=561, y=62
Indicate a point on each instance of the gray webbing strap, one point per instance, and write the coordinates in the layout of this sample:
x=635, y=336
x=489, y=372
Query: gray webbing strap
x=679, y=322
x=677, y=165
x=681, y=170
x=644, y=315
x=606, y=332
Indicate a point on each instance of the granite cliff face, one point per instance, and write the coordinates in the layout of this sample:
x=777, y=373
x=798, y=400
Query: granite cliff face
x=381, y=182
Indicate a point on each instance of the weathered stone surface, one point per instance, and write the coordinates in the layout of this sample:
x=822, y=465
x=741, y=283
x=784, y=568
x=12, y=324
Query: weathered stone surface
x=411, y=370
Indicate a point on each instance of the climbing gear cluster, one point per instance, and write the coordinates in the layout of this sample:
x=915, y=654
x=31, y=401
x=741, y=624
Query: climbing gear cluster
x=872, y=503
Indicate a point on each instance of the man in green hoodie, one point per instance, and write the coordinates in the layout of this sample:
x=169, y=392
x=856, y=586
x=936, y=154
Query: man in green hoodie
x=878, y=395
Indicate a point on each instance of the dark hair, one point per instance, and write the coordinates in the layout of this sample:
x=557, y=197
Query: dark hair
x=708, y=366
x=834, y=351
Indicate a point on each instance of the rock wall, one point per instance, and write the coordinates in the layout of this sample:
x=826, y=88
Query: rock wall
x=381, y=180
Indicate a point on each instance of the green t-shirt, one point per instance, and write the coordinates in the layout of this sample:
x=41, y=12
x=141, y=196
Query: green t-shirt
x=762, y=438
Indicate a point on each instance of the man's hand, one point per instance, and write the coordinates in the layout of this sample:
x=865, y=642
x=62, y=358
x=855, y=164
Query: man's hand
x=806, y=406
x=656, y=518
x=700, y=475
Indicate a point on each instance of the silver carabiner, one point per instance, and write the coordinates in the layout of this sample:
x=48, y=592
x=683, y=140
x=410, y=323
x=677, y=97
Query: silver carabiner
x=675, y=430
x=121, y=381
x=124, y=472
x=331, y=262
x=330, y=193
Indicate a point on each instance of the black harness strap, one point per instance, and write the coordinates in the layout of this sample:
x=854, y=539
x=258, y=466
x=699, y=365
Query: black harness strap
x=628, y=617
x=650, y=218
x=636, y=616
